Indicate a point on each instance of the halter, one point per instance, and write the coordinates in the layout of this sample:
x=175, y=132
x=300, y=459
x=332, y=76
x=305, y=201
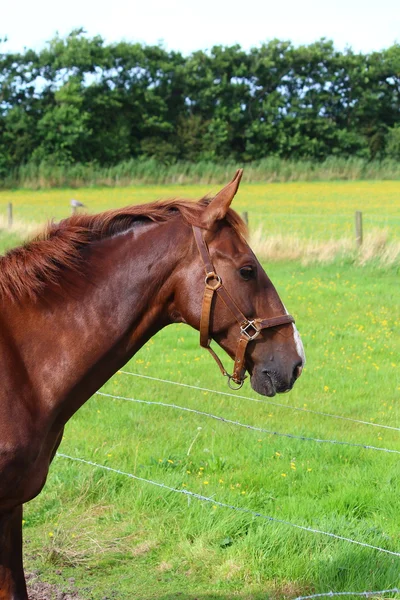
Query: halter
x=249, y=328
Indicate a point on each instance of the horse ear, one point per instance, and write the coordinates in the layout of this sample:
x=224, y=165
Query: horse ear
x=218, y=207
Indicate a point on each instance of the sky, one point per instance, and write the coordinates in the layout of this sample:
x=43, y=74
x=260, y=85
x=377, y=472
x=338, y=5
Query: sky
x=188, y=25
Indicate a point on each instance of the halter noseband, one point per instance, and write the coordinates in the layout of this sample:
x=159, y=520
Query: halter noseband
x=249, y=328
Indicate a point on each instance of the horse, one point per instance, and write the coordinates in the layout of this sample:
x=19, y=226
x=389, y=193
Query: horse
x=80, y=299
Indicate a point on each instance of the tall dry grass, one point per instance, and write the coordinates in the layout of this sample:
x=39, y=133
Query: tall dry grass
x=20, y=228
x=150, y=171
x=376, y=247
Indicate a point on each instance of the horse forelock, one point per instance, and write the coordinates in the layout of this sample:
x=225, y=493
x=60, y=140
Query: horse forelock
x=26, y=270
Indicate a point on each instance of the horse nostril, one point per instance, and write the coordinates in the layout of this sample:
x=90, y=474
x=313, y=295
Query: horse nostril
x=297, y=370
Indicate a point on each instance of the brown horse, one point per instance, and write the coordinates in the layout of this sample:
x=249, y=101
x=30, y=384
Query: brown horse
x=80, y=300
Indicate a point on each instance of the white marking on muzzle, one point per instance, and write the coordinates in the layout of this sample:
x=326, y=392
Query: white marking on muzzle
x=299, y=344
x=297, y=341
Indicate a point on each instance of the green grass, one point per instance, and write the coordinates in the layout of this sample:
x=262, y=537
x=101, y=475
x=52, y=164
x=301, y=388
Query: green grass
x=125, y=539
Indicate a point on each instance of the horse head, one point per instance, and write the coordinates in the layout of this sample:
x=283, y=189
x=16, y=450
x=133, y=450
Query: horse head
x=224, y=292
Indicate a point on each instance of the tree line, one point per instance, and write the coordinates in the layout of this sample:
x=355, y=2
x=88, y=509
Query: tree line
x=81, y=100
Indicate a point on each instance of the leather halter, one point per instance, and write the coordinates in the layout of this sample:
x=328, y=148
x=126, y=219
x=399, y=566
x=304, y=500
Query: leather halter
x=249, y=328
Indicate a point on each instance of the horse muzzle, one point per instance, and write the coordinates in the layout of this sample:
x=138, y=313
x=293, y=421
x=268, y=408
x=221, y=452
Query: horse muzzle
x=271, y=381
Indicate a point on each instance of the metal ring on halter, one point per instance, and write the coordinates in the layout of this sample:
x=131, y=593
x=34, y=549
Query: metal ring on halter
x=230, y=380
x=209, y=277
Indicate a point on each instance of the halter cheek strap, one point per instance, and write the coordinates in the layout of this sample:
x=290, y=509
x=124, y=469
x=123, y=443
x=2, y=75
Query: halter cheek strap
x=249, y=328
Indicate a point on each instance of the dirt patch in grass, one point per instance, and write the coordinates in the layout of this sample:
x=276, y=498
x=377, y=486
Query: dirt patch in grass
x=38, y=590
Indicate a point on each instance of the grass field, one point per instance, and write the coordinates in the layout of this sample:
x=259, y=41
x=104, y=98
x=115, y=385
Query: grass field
x=125, y=539
x=320, y=210
x=303, y=221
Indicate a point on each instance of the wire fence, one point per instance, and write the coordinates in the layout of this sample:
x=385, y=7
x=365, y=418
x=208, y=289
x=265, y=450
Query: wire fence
x=246, y=426
x=364, y=594
x=215, y=502
x=241, y=509
x=270, y=402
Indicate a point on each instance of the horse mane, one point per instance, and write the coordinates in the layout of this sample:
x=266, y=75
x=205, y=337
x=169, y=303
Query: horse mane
x=26, y=270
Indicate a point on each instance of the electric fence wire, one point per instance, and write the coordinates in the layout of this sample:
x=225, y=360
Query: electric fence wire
x=251, y=427
x=272, y=403
x=215, y=502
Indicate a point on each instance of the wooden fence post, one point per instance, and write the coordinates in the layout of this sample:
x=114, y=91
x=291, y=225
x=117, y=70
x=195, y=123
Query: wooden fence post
x=245, y=216
x=10, y=214
x=359, y=228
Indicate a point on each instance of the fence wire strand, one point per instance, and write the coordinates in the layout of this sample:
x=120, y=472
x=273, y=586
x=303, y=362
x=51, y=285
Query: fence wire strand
x=271, y=402
x=240, y=509
x=251, y=427
x=365, y=594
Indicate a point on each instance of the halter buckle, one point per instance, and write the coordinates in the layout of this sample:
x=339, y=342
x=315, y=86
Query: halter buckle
x=247, y=328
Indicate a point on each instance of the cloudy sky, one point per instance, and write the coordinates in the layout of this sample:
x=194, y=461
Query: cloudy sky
x=188, y=25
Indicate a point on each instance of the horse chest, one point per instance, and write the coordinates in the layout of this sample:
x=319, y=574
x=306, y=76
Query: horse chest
x=21, y=477
x=24, y=460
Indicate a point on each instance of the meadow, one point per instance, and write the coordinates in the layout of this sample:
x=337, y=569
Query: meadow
x=300, y=221
x=320, y=210
x=116, y=537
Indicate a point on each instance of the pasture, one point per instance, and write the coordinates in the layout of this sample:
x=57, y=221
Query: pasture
x=321, y=210
x=127, y=539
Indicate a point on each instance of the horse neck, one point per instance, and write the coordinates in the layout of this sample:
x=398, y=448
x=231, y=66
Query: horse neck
x=77, y=341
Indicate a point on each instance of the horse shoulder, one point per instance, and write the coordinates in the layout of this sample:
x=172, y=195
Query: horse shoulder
x=22, y=471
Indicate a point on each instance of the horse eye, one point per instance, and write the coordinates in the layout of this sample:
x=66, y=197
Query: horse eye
x=247, y=272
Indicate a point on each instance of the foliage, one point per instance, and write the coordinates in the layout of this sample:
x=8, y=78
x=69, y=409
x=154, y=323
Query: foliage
x=393, y=143
x=80, y=100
